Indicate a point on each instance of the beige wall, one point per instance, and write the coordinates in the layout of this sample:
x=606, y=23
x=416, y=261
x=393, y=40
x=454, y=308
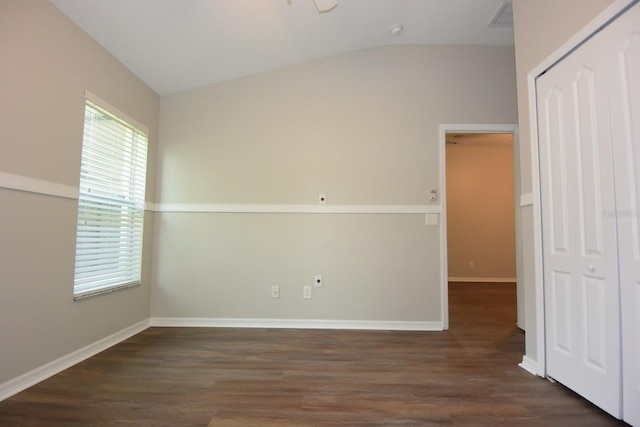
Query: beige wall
x=360, y=127
x=540, y=27
x=480, y=208
x=46, y=65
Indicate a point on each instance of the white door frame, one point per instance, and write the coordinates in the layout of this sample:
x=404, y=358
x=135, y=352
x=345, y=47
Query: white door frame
x=598, y=22
x=444, y=264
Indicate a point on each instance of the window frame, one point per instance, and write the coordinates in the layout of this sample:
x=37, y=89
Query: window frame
x=130, y=208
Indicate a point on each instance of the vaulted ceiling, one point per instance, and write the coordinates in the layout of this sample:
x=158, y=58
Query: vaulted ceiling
x=175, y=45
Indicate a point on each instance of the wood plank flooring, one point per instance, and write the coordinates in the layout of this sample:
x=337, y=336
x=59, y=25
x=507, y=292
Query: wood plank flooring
x=467, y=376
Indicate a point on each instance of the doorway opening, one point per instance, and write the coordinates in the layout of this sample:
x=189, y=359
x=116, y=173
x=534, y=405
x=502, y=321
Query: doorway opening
x=481, y=220
x=478, y=211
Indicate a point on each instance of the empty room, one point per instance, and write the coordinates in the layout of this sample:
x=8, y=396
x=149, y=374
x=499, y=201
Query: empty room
x=242, y=213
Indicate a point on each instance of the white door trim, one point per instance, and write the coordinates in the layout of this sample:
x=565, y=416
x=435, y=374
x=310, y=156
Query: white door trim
x=598, y=22
x=444, y=265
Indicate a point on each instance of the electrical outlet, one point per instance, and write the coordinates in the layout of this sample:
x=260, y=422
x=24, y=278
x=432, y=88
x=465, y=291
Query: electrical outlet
x=306, y=292
x=275, y=292
x=317, y=281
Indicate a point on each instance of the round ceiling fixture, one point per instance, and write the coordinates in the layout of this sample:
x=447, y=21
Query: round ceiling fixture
x=396, y=31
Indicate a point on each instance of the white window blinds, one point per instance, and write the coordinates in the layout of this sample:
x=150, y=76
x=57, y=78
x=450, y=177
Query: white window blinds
x=111, y=204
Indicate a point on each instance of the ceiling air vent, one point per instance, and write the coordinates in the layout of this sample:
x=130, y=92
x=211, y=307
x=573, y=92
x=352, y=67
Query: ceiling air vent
x=503, y=16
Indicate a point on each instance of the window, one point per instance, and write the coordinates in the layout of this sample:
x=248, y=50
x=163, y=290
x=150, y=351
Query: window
x=111, y=203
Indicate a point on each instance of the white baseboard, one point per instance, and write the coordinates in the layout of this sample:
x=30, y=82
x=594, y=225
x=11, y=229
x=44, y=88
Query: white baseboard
x=529, y=365
x=43, y=372
x=296, y=324
x=483, y=279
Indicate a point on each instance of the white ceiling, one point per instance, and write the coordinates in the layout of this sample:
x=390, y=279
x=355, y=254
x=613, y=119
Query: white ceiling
x=174, y=45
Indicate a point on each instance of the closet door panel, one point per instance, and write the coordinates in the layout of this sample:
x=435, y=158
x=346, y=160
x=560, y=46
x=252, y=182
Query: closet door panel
x=623, y=60
x=589, y=182
x=561, y=328
x=593, y=315
x=579, y=246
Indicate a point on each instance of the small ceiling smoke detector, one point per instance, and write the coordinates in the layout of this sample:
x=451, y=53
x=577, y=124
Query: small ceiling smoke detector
x=396, y=31
x=503, y=16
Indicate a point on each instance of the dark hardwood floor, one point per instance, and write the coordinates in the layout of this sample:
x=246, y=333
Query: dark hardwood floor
x=467, y=376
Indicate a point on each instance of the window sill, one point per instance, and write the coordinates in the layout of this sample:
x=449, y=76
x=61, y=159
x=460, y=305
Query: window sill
x=95, y=292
